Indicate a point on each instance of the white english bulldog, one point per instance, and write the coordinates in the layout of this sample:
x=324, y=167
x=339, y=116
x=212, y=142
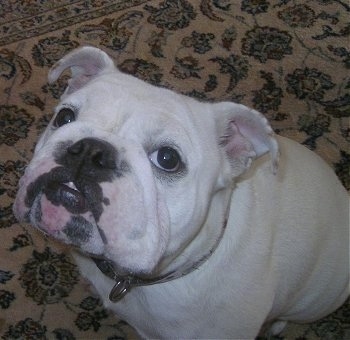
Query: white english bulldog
x=191, y=219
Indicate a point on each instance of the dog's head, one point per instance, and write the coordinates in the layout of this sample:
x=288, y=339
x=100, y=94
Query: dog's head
x=126, y=170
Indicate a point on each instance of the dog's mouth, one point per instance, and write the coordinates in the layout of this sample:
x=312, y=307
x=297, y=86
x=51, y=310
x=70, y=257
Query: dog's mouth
x=77, y=195
x=68, y=208
x=67, y=195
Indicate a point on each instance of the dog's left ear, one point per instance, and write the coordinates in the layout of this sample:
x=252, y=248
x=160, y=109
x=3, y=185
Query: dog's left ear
x=85, y=63
x=245, y=134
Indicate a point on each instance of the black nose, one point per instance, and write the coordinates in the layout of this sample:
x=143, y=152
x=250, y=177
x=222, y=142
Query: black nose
x=94, y=152
x=92, y=158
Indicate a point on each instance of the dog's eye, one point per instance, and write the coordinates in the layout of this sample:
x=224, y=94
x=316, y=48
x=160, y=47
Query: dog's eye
x=166, y=158
x=64, y=116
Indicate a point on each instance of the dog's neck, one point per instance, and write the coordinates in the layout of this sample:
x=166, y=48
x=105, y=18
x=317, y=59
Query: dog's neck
x=207, y=241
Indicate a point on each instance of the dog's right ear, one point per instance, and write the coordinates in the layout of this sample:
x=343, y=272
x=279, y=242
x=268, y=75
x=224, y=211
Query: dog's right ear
x=85, y=63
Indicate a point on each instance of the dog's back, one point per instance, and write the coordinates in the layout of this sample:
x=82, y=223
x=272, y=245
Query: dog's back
x=307, y=210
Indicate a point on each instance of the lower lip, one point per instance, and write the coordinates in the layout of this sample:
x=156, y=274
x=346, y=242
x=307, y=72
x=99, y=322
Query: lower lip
x=60, y=193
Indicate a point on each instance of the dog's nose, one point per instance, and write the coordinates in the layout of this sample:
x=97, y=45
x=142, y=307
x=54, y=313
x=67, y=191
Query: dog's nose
x=93, y=152
x=91, y=158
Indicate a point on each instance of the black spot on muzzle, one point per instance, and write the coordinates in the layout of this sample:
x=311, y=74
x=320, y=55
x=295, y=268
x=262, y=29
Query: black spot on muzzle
x=78, y=230
x=85, y=163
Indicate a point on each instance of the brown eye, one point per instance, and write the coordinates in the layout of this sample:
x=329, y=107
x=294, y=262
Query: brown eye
x=166, y=158
x=64, y=116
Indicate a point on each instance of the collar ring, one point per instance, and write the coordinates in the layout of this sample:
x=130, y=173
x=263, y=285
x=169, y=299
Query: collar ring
x=120, y=289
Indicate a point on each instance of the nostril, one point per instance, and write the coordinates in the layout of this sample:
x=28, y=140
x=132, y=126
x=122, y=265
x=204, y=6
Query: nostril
x=104, y=160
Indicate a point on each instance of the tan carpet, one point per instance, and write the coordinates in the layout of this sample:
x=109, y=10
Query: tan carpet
x=288, y=59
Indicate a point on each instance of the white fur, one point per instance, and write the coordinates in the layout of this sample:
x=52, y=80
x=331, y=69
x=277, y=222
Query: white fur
x=285, y=251
x=283, y=257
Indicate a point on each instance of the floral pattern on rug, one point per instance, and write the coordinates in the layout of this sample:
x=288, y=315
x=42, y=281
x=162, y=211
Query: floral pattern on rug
x=289, y=59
